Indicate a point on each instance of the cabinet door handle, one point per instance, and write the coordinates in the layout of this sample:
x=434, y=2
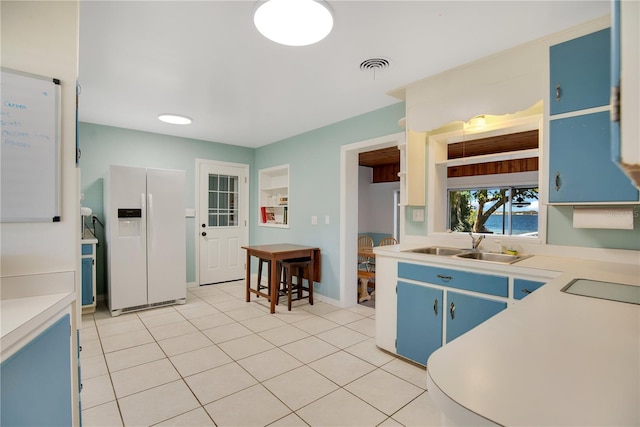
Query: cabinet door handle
x=452, y=311
x=445, y=278
x=526, y=291
x=557, y=181
x=435, y=307
x=558, y=92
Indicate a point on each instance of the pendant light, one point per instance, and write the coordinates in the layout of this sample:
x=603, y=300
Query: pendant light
x=293, y=22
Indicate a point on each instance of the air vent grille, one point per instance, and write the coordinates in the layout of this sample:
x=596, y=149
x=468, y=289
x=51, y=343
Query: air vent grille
x=375, y=64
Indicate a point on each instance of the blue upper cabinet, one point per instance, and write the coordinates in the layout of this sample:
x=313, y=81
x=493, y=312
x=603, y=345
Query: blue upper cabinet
x=580, y=166
x=581, y=170
x=580, y=73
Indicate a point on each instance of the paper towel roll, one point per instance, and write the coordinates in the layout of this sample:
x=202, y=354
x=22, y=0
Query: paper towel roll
x=609, y=218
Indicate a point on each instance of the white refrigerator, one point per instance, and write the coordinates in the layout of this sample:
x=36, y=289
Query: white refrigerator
x=145, y=238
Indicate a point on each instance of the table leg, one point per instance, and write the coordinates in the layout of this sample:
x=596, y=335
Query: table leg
x=275, y=284
x=248, y=277
x=364, y=295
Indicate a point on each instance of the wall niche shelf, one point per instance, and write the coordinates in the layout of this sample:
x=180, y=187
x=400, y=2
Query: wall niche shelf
x=273, y=184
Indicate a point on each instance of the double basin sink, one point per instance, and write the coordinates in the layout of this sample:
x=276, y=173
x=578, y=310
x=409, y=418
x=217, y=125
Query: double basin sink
x=470, y=254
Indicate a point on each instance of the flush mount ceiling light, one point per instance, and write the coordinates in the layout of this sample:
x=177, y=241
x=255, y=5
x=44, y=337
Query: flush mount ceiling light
x=174, y=119
x=293, y=22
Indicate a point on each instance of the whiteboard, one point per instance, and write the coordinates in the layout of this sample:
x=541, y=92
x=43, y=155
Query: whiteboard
x=29, y=148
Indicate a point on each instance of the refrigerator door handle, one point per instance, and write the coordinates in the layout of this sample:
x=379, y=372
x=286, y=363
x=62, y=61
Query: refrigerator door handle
x=150, y=222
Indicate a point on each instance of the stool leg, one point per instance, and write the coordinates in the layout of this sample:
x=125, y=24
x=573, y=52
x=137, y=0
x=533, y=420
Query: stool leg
x=259, y=276
x=299, y=276
x=310, y=282
x=289, y=286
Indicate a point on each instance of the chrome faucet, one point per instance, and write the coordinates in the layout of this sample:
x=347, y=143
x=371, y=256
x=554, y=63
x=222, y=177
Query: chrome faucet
x=475, y=242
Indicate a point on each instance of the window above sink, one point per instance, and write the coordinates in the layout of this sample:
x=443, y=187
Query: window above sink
x=484, y=177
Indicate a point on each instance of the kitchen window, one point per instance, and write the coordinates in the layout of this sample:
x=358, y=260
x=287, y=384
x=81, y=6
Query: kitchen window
x=485, y=179
x=504, y=210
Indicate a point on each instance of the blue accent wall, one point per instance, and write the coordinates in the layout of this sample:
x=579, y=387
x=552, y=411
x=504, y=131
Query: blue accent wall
x=314, y=168
x=560, y=231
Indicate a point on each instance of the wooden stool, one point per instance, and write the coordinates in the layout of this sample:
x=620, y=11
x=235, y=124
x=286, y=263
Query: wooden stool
x=297, y=267
x=260, y=286
x=278, y=274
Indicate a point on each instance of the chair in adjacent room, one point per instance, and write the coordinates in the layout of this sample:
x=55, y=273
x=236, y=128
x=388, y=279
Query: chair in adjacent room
x=371, y=283
x=364, y=261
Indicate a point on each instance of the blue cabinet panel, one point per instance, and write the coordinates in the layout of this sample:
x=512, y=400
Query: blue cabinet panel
x=87, y=281
x=419, y=326
x=580, y=165
x=87, y=249
x=36, y=381
x=580, y=73
x=485, y=283
x=465, y=312
x=522, y=288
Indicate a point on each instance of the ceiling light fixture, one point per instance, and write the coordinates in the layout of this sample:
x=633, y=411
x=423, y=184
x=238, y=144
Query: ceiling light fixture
x=293, y=22
x=174, y=119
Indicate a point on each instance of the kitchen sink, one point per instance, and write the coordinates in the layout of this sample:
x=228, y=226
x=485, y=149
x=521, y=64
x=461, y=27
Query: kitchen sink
x=492, y=257
x=437, y=250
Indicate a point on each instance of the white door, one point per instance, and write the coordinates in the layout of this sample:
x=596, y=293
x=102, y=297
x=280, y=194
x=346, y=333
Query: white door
x=222, y=222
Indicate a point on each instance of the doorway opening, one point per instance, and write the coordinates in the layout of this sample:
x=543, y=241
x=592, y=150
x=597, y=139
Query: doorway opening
x=349, y=171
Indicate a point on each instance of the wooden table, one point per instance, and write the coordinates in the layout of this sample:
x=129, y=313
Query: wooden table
x=364, y=275
x=274, y=253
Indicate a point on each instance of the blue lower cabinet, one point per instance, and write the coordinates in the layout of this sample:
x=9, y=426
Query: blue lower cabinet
x=87, y=281
x=419, y=329
x=36, y=381
x=522, y=287
x=465, y=312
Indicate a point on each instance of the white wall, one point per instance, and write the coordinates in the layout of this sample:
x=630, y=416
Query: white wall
x=42, y=38
x=375, y=203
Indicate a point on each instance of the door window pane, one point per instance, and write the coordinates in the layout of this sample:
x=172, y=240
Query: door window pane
x=223, y=196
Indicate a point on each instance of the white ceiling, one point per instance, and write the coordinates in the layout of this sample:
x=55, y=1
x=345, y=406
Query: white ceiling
x=205, y=60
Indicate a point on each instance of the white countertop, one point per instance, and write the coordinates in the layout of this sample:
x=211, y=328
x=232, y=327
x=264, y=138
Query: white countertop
x=553, y=358
x=27, y=302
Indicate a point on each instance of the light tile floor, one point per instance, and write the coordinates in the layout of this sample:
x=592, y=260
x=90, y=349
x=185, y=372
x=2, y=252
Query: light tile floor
x=220, y=361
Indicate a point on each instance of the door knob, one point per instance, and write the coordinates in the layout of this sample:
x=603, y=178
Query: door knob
x=204, y=233
x=204, y=225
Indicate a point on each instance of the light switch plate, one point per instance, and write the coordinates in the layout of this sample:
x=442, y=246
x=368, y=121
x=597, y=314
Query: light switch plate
x=314, y=220
x=418, y=215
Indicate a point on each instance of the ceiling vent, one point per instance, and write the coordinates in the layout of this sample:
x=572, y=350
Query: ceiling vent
x=375, y=65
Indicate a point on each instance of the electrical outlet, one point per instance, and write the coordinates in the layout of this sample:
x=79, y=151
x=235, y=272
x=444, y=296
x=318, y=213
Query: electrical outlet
x=326, y=219
x=418, y=215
